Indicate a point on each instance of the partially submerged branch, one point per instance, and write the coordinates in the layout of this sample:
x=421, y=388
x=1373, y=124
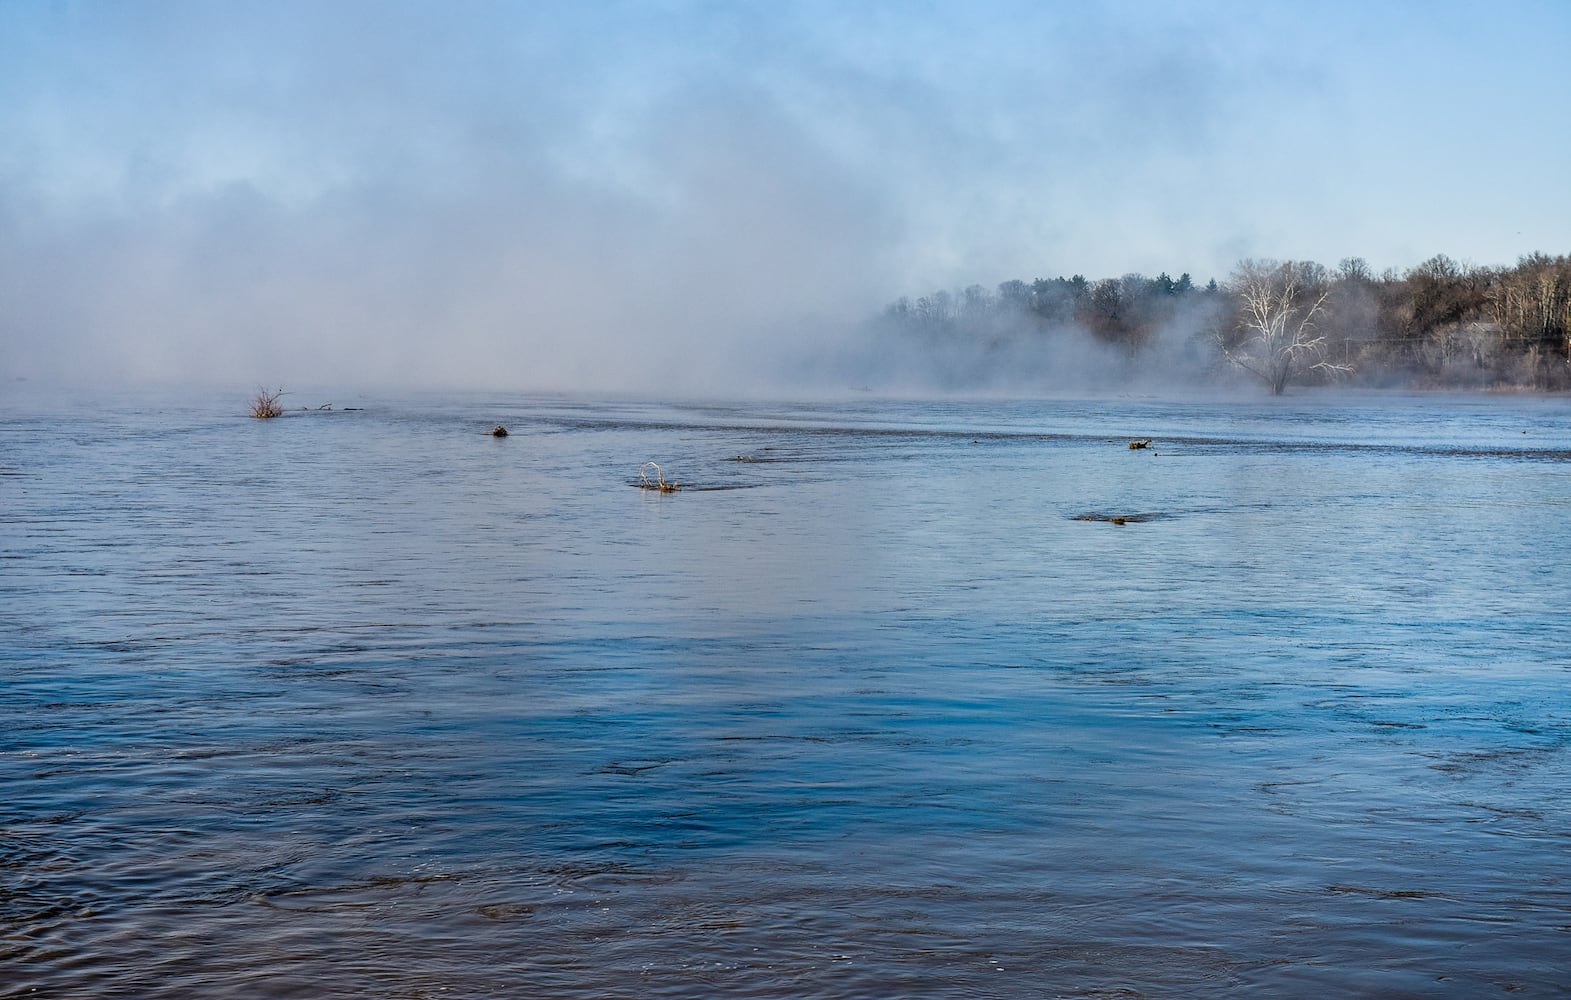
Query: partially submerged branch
x=657, y=483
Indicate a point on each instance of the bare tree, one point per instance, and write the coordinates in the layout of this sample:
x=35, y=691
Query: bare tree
x=1275, y=336
x=1532, y=301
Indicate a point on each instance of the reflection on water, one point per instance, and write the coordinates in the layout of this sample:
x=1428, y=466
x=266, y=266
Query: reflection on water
x=919, y=699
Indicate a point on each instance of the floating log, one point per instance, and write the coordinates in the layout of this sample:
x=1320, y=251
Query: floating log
x=1118, y=519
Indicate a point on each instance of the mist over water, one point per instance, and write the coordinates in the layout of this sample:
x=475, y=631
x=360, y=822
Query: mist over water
x=881, y=702
x=703, y=199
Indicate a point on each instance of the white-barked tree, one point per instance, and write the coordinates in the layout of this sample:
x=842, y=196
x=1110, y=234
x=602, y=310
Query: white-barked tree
x=1275, y=335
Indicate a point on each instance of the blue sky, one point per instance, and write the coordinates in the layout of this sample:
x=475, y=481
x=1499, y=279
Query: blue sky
x=643, y=195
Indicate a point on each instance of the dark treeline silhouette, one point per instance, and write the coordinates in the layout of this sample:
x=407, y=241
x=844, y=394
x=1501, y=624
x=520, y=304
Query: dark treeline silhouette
x=1441, y=324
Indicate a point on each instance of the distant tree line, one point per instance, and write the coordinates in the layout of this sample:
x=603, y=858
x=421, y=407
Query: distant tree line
x=1441, y=324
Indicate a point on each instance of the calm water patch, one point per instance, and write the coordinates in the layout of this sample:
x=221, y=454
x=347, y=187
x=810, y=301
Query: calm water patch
x=925, y=699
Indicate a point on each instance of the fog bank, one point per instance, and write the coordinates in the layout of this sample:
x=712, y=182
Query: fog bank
x=690, y=197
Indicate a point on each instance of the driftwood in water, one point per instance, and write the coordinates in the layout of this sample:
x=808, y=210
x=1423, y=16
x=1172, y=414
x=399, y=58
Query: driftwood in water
x=1119, y=519
x=657, y=483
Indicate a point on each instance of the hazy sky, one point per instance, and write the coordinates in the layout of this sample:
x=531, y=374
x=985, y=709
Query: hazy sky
x=678, y=194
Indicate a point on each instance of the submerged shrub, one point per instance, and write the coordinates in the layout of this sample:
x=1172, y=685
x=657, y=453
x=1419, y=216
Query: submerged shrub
x=265, y=404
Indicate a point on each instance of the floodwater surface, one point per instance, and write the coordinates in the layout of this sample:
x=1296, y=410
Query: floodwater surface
x=890, y=699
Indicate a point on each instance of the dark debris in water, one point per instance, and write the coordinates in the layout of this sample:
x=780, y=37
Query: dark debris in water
x=1121, y=518
x=632, y=769
x=506, y=911
x=1364, y=890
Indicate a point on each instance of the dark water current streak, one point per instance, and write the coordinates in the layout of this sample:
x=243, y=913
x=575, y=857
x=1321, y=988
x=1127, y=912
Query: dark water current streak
x=370, y=703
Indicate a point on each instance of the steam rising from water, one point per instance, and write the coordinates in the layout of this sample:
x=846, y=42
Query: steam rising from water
x=671, y=197
x=508, y=273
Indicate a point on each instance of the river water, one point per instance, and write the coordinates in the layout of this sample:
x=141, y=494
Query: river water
x=882, y=703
